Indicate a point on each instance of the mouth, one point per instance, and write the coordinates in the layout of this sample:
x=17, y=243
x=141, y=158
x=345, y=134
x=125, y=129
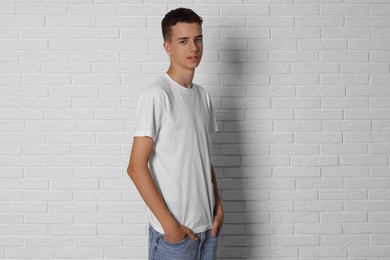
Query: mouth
x=193, y=57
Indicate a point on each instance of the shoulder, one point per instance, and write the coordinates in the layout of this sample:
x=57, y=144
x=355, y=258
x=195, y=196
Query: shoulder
x=203, y=92
x=157, y=89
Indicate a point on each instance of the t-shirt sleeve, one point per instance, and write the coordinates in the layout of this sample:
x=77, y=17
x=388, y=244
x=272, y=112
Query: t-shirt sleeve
x=213, y=126
x=149, y=115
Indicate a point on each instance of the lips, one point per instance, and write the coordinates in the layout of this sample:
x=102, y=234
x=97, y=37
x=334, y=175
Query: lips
x=193, y=57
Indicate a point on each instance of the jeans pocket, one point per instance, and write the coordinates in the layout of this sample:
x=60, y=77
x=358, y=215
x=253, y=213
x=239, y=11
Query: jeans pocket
x=162, y=238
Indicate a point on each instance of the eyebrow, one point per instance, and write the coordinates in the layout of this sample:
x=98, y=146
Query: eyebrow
x=186, y=38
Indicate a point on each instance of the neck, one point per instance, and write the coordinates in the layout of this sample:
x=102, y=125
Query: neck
x=182, y=77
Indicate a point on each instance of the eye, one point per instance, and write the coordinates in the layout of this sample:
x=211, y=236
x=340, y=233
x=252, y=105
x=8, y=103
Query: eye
x=199, y=40
x=183, y=42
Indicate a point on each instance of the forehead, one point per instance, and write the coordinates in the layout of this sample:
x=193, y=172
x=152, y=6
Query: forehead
x=186, y=30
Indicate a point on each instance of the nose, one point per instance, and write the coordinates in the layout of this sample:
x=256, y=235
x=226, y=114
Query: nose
x=194, y=46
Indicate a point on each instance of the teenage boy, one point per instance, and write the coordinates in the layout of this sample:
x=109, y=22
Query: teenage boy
x=170, y=162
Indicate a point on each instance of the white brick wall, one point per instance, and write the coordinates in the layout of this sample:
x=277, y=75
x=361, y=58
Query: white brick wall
x=302, y=95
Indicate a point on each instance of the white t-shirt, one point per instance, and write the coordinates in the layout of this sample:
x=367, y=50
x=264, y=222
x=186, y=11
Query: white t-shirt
x=180, y=121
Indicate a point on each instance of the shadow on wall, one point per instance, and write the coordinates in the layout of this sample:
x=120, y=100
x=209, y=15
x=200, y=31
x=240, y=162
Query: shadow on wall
x=239, y=200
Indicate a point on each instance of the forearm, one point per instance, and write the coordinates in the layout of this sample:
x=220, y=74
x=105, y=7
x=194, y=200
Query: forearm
x=147, y=188
x=218, y=202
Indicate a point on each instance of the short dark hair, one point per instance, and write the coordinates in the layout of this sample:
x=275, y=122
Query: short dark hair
x=181, y=14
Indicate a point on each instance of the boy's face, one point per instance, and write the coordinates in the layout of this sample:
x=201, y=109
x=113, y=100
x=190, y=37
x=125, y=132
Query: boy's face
x=185, y=47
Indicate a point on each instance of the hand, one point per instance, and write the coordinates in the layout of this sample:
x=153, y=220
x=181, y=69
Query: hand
x=178, y=234
x=218, y=220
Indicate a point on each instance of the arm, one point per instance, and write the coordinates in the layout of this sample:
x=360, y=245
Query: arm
x=218, y=210
x=139, y=173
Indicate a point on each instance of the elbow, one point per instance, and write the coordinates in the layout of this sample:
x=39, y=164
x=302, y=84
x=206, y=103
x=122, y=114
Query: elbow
x=133, y=169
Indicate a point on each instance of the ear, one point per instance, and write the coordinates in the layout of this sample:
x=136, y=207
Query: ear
x=167, y=47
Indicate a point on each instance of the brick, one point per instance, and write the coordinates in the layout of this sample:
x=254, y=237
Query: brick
x=271, y=91
x=294, y=79
x=42, y=253
x=23, y=45
x=369, y=251
x=333, y=251
x=316, y=114
x=344, y=149
x=280, y=149
x=366, y=205
x=240, y=195
x=239, y=33
x=347, y=240
x=378, y=194
x=9, y=55
x=344, y=9
x=247, y=149
x=320, y=21
x=343, y=194
x=344, y=102
x=295, y=240
x=11, y=126
x=38, y=218
x=351, y=56
x=295, y=9
x=347, y=126
x=273, y=206
x=24, y=21
x=367, y=21
x=295, y=217
x=121, y=22
x=74, y=44
x=270, y=229
x=315, y=183
x=379, y=148
x=225, y=21
x=70, y=21
x=361, y=160
x=294, y=55
x=336, y=217
x=313, y=229
x=249, y=10
x=317, y=137
x=380, y=33
x=44, y=33
x=275, y=251
x=271, y=44
x=41, y=56
x=52, y=79
x=92, y=218
x=345, y=171
x=93, y=9
x=237, y=56
x=297, y=126
x=263, y=114
x=314, y=68
x=318, y=206
x=8, y=9
x=293, y=195
x=84, y=252
x=46, y=149
x=310, y=91
x=91, y=56
x=50, y=241
x=11, y=102
x=11, y=242
x=253, y=240
x=269, y=21
x=66, y=68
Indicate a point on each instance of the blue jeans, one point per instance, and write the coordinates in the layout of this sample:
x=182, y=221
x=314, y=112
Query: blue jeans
x=205, y=248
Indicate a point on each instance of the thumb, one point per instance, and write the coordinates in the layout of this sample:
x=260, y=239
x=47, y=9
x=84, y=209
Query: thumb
x=190, y=234
x=214, y=230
